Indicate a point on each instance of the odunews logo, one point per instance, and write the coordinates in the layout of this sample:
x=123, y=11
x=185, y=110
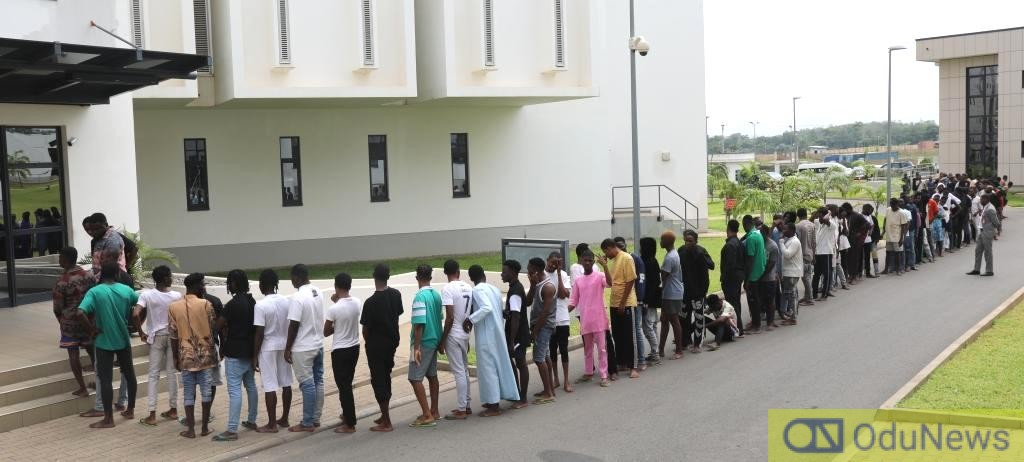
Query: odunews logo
x=819, y=434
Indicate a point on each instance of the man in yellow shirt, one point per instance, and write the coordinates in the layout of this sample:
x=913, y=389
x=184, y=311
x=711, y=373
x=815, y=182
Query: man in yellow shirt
x=623, y=306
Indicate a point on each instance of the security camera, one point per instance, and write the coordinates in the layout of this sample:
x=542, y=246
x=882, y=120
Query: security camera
x=640, y=45
x=72, y=140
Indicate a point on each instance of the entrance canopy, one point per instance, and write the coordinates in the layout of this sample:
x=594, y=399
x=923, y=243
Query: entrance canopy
x=36, y=72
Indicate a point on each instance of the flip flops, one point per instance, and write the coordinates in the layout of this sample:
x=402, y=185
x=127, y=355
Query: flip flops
x=147, y=424
x=543, y=400
x=226, y=437
x=421, y=424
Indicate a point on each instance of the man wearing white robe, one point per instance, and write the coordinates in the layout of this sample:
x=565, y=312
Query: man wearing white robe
x=493, y=369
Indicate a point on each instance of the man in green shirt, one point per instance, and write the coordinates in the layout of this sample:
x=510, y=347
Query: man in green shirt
x=110, y=303
x=756, y=258
x=426, y=334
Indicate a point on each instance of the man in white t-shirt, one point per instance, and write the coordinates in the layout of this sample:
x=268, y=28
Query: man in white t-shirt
x=896, y=224
x=154, y=302
x=305, y=347
x=342, y=321
x=456, y=298
x=270, y=318
x=560, y=339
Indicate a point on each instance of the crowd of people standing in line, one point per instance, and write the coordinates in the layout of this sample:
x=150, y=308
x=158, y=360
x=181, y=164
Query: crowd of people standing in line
x=281, y=337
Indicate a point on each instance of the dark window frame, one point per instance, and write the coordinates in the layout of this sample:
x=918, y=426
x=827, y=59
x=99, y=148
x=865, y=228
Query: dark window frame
x=382, y=140
x=460, y=145
x=981, y=147
x=296, y=162
x=199, y=161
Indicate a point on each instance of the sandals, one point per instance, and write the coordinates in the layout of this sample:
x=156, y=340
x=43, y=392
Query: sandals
x=584, y=379
x=543, y=400
x=421, y=424
x=226, y=437
x=142, y=421
x=606, y=383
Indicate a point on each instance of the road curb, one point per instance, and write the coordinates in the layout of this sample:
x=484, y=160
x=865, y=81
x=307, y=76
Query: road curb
x=939, y=417
x=967, y=337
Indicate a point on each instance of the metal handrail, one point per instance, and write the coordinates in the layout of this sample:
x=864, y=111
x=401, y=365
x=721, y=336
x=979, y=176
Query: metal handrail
x=687, y=205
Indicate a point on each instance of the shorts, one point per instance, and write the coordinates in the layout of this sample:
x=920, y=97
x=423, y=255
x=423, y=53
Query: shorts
x=560, y=343
x=189, y=381
x=275, y=372
x=427, y=366
x=671, y=307
x=542, y=344
x=216, y=378
x=73, y=343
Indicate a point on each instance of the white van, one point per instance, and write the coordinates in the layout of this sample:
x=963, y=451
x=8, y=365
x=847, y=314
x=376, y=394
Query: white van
x=822, y=167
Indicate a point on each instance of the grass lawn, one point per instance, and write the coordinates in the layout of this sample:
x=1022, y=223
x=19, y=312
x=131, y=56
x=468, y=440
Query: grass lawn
x=490, y=261
x=30, y=197
x=984, y=377
x=1015, y=200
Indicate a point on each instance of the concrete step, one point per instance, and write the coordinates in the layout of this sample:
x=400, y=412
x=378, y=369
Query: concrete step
x=50, y=368
x=58, y=384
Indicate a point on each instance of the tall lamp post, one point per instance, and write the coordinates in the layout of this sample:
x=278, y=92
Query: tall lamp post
x=707, y=150
x=723, y=137
x=888, y=129
x=636, y=44
x=796, y=139
x=754, y=124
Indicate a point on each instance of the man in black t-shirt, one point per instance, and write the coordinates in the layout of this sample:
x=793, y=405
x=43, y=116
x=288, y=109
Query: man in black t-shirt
x=517, y=328
x=380, y=334
x=235, y=328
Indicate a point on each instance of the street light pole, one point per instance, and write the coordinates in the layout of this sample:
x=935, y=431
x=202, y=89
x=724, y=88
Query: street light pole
x=723, y=137
x=633, y=116
x=888, y=129
x=707, y=150
x=796, y=139
x=754, y=124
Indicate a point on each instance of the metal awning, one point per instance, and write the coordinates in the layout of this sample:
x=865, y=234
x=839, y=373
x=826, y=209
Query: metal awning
x=36, y=72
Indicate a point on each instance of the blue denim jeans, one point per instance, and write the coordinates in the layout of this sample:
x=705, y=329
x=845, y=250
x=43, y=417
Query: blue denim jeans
x=638, y=326
x=908, y=249
x=309, y=372
x=239, y=372
x=189, y=381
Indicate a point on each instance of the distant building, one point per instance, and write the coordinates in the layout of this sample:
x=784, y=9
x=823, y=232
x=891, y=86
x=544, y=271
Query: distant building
x=733, y=162
x=981, y=100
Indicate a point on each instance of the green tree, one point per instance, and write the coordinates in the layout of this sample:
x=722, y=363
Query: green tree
x=757, y=200
x=16, y=166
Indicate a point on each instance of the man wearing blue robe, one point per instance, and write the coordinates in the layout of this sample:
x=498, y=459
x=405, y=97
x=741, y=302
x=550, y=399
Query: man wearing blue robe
x=493, y=369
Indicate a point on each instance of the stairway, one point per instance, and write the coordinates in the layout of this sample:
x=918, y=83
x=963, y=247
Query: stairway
x=42, y=392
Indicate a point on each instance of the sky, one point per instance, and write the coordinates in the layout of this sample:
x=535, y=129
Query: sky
x=760, y=54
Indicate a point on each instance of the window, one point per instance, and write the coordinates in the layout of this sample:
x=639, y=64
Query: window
x=378, y=168
x=291, y=174
x=982, y=121
x=559, y=33
x=489, y=60
x=201, y=17
x=284, y=36
x=197, y=193
x=460, y=165
x=369, y=50
x=136, y=14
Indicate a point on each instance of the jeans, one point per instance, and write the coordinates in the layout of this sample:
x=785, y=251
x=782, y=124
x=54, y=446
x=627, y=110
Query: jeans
x=309, y=372
x=638, y=335
x=595, y=339
x=838, y=277
x=458, y=357
x=806, y=279
x=822, y=276
x=909, y=257
x=105, y=372
x=343, y=362
x=239, y=372
x=161, y=358
x=650, y=326
x=189, y=381
x=790, y=307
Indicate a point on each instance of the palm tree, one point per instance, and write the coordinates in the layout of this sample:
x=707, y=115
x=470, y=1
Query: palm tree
x=869, y=168
x=149, y=257
x=877, y=195
x=757, y=200
x=716, y=172
x=728, y=190
x=16, y=162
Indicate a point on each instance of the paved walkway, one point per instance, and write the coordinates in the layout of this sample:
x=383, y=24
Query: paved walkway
x=853, y=351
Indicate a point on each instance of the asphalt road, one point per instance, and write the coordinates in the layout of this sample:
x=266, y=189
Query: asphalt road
x=853, y=351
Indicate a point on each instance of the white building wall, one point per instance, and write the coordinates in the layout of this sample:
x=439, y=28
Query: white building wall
x=101, y=165
x=539, y=170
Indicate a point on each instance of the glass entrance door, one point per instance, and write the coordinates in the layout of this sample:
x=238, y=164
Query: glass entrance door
x=34, y=225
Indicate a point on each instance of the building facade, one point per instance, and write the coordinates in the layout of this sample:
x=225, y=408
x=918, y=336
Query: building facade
x=981, y=101
x=343, y=130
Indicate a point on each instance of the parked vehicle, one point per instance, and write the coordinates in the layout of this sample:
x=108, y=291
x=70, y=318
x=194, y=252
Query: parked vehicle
x=900, y=166
x=822, y=167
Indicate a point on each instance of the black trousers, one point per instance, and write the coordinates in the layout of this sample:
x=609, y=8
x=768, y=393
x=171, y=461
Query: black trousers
x=624, y=333
x=823, y=274
x=105, y=373
x=868, y=248
x=766, y=297
x=380, y=361
x=560, y=344
x=732, y=291
x=609, y=342
x=343, y=362
x=753, y=304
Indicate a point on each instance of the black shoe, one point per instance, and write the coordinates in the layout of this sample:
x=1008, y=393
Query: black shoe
x=988, y=274
x=974, y=273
